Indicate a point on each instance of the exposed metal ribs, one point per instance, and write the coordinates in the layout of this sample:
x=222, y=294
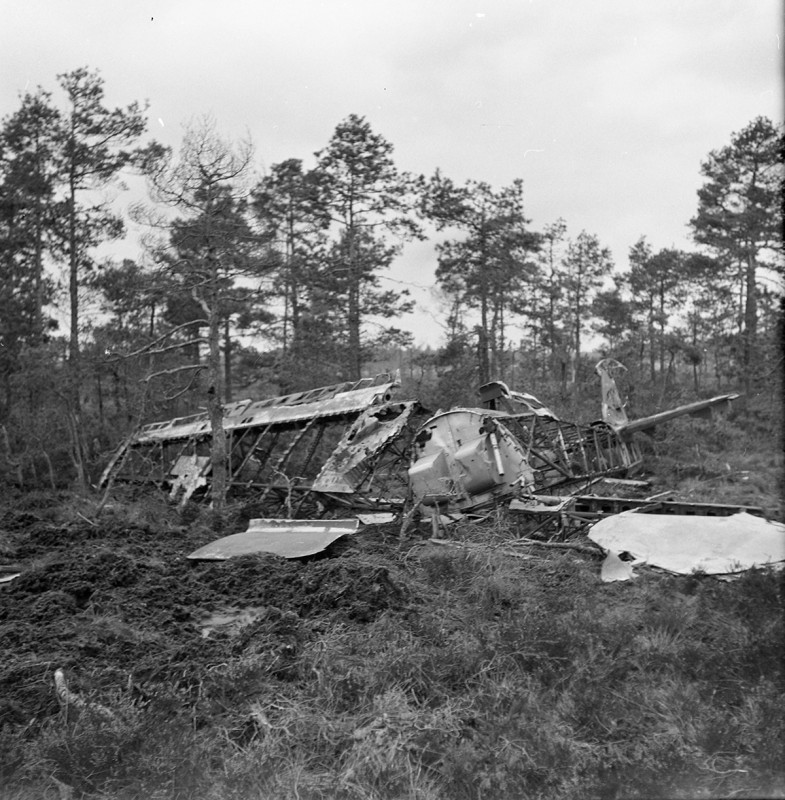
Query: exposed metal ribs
x=565, y=452
x=345, y=440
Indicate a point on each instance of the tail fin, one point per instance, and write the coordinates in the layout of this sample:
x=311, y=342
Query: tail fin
x=613, y=412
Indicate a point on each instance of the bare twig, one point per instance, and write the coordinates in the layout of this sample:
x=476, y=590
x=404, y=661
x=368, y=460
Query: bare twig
x=148, y=347
x=559, y=546
x=171, y=371
x=184, y=389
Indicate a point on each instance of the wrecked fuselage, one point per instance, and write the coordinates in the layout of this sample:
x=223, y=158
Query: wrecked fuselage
x=352, y=445
x=471, y=458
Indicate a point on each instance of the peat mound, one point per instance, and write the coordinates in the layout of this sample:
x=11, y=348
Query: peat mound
x=116, y=606
x=339, y=587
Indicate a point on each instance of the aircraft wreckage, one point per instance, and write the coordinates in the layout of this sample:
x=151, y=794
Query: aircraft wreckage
x=353, y=448
x=352, y=445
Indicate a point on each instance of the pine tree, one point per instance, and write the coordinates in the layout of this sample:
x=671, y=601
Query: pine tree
x=286, y=203
x=366, y=199
x=586, y=264
x=489, y=267
x=28, y=180
x=740, y=214
x=95, y=144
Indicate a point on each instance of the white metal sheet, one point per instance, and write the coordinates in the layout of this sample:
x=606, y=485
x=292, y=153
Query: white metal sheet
x=282, y=537
x=684, y=544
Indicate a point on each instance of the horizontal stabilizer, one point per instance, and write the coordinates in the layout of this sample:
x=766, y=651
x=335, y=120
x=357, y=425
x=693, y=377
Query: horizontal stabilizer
x=701, y=408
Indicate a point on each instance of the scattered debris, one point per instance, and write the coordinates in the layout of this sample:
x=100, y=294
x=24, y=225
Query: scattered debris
x=581, y=548
x=626, y=483
x=281, y=537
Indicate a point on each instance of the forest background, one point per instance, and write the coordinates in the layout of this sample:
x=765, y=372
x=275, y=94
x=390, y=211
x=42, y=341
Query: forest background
x=252, y=284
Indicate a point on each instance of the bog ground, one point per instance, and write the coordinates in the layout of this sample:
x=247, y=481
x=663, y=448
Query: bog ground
x=386, y=667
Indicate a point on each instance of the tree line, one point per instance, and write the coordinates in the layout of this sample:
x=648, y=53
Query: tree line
x=273, y=283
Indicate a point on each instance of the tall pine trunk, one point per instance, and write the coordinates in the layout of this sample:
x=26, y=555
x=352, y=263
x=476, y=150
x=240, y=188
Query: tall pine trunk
x=227, y=361
x=74, y=355
x=353, y=311
x=214, y=400
x=750, y=320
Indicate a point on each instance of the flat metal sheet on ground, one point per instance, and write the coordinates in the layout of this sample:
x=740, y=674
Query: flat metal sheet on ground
x=281, y=537
x=684, y=544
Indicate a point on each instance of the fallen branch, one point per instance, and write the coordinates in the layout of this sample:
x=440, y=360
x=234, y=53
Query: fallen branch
x=560, y=546
x=473, y=546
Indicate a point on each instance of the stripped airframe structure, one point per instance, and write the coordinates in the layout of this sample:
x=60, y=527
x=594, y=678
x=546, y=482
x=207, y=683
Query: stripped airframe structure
x=346, y=444
x=352, y=445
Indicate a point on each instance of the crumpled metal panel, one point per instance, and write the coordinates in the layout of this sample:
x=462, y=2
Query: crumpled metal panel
x=467, y=458
x=613, y=412
x=369, y=434
x=281, y=537
x=497, y=396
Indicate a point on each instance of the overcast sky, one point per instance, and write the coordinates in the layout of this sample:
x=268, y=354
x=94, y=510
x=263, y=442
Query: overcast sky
x=605, y=108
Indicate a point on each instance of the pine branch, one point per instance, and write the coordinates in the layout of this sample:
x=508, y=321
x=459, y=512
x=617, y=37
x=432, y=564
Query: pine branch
x=148, y=347
x=172, y=371
x=186, y=388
